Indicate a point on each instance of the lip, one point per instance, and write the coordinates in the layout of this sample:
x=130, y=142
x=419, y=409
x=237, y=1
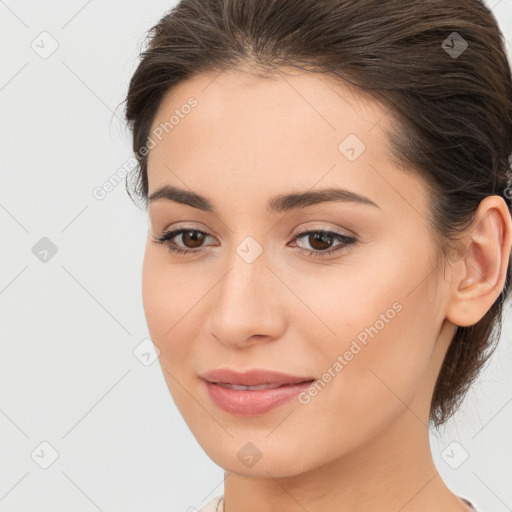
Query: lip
x=252, y=402
x=252, y=377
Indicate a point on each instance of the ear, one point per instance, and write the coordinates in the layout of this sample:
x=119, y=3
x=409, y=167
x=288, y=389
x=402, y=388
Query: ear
x=478, y=277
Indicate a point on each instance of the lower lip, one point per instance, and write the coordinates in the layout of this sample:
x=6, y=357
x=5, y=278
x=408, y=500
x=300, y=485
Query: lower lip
x=253, y=402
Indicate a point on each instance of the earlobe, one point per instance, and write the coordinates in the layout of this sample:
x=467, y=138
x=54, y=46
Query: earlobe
x=479, y=276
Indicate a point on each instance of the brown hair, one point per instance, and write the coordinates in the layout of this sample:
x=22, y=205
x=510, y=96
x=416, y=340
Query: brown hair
x=439, y=66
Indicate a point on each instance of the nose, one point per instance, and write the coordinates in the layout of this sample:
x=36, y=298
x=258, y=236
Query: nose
x=247, y=304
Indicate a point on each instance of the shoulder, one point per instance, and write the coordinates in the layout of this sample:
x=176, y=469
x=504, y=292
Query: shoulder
x=214, y=505
x=469, y=504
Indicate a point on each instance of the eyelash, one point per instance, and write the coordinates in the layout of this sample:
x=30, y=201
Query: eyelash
x=166, y=237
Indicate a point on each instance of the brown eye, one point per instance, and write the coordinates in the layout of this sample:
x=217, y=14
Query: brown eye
x=192, y=239
x=320, y=240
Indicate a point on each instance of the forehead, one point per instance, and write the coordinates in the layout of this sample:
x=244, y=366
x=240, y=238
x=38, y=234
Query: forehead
x=238, y=97
x=267, y=134
x=236, y=114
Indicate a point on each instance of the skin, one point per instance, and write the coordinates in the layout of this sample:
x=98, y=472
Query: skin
x=362, y=443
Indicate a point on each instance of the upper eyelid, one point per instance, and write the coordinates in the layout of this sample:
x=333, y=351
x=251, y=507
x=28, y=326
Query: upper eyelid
x=306, y=228
x=313, y=229
x=299, y=231
x=179, y=230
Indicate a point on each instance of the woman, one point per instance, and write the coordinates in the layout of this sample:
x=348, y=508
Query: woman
x=328, y=248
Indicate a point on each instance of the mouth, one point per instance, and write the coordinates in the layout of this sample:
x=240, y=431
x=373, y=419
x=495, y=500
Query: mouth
x=253, y=379
x=253, y=393
x=240, y=387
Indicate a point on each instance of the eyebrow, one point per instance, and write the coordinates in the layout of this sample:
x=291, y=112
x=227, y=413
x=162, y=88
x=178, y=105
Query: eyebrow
x=277, y=204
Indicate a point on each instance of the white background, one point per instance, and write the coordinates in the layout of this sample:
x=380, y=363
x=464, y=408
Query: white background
x=68, y=374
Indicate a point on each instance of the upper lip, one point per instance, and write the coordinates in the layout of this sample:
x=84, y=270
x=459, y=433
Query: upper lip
x=252, y=377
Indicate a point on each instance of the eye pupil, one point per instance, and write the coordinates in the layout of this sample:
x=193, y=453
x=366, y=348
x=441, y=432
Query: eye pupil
x=324, y=238
x=196, y=237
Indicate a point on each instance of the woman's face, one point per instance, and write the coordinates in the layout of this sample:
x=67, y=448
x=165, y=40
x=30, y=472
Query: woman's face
x=366, y=321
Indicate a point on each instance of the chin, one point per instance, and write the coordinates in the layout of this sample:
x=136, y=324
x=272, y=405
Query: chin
x=258, y=458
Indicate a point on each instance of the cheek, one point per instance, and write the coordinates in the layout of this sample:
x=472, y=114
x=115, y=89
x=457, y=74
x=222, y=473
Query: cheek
x=167, y=298
x=377, y=336
x=154, y=297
